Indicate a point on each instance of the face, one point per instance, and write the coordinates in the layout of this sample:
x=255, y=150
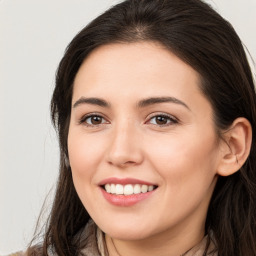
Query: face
x=142, y=143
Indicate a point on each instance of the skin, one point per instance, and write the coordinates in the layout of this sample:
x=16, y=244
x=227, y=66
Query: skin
x=182, y=156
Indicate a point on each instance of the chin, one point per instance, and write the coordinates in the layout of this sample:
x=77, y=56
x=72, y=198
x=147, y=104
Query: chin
x=127, y=231
x=128, y=235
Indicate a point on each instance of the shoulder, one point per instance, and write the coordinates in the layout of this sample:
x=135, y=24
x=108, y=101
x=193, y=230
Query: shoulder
x=18, y=254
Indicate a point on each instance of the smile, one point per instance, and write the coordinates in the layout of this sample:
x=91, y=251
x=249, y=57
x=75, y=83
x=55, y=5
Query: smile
x=129, y=189
x=126, y=192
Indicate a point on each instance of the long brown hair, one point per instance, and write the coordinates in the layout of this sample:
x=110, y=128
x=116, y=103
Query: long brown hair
x=202, y=38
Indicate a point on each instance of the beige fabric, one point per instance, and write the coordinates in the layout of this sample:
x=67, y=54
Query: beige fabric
x=96, y=245
x=17, y=254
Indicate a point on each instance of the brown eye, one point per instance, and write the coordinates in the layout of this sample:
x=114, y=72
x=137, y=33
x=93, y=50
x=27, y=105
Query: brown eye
x=162, y=120
x=94, y=120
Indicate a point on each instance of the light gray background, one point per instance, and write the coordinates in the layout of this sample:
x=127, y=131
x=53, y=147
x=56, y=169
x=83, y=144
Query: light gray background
x=33, y=36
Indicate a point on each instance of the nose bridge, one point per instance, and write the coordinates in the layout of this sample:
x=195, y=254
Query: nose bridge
x=124, y=148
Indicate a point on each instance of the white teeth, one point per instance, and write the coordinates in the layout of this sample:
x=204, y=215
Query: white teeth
x=113, y=189
x=108, y=188
x=119, y=189
x=136, y=189
x=150, y=188
x=128, y=189
x=144, y=188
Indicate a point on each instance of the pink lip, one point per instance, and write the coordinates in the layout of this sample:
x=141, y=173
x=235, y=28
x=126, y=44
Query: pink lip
x=122, y=200
x=125, y=181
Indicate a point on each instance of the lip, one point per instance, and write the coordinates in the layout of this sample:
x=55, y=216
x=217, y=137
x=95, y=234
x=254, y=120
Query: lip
x=125, y=181
x=125, y=201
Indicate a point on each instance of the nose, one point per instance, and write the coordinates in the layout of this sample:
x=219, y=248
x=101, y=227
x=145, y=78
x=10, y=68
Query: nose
x=125, y=148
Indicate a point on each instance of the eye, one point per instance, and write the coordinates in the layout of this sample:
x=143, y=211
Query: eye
x=93, y=120
x=162, y=120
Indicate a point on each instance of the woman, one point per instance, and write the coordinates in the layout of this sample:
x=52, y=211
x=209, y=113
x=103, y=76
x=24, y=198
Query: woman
x=155, y=108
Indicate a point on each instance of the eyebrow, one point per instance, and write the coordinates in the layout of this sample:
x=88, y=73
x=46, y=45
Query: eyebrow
x=141, y=104
x=92, y=101
x=157, y=100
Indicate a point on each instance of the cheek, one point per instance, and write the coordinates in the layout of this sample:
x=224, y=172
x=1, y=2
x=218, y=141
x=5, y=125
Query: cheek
x=187, y=169
x=183, y=161
x=84, y=155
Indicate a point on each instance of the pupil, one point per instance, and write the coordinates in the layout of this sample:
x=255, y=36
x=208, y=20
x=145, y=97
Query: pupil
x=96, y=120
x=161, y=120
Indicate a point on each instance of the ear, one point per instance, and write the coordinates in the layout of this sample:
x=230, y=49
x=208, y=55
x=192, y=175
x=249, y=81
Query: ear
x=235, y=147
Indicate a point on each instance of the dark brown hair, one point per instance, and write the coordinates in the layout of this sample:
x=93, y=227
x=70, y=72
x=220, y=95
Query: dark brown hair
x=202, y=38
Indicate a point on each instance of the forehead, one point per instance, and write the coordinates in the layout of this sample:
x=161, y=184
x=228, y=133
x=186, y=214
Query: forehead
x=143, y=63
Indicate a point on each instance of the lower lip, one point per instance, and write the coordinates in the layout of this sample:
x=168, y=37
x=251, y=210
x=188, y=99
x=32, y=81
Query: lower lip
x=122, y=200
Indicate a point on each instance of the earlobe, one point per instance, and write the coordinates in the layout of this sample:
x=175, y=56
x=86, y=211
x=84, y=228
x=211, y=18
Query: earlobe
x=236, y=147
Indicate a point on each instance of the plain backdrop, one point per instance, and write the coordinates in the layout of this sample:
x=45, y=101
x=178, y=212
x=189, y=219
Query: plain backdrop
x=33, y=37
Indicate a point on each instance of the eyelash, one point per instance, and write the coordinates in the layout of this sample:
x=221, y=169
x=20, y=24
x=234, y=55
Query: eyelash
x=170, y=119
x=91, y=115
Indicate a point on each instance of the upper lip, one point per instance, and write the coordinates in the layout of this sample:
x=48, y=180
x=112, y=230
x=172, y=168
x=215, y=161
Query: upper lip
x=124, y=181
